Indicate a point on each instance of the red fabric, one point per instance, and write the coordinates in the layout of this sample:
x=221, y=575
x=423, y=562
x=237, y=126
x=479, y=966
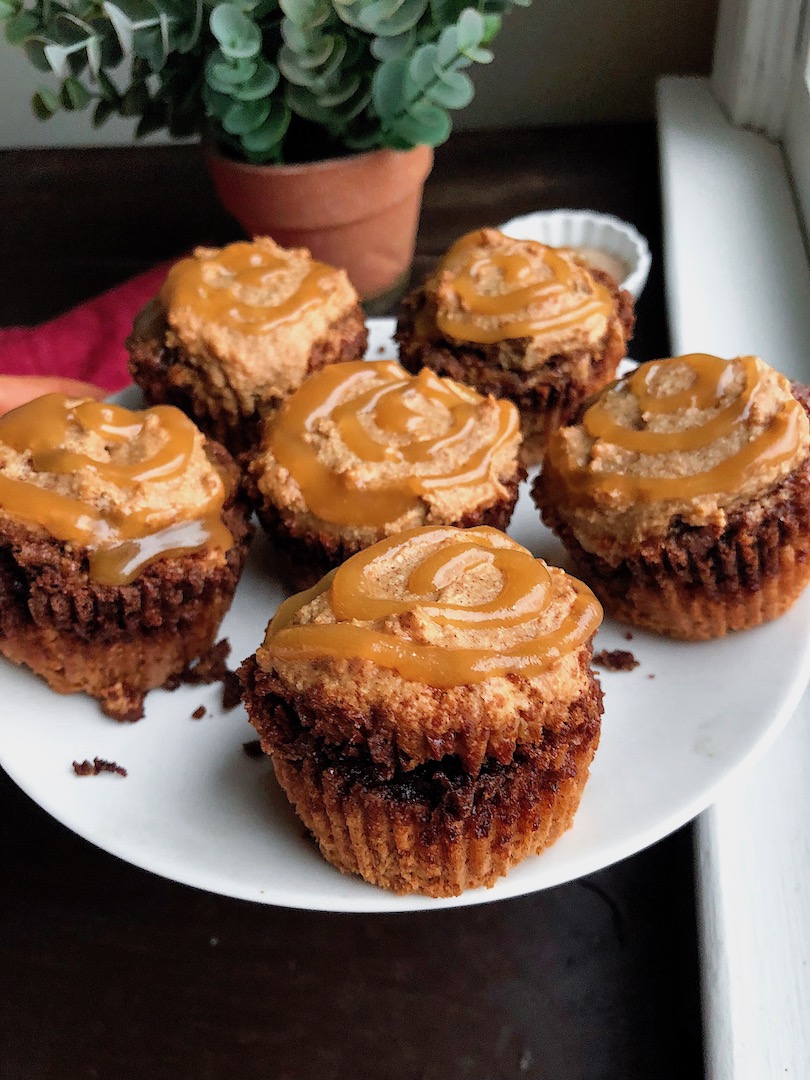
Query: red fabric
x=86, y=342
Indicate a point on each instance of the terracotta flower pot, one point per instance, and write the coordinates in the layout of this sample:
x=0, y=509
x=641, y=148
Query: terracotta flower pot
x=359, y=212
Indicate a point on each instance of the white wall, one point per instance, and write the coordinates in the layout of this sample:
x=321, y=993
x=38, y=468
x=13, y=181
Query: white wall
x=559, y=61
x=18, y=125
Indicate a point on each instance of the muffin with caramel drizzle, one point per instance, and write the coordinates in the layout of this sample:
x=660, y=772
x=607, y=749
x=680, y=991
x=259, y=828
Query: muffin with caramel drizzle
x=365, y=450
x=235, y=330
x=430, y=708
x=121, y=543
x=520, y=320
x=683, y=495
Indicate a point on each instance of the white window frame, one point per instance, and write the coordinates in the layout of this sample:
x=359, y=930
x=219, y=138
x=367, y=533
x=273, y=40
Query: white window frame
x=761, y=77
x=795, y=132
x=736, y=208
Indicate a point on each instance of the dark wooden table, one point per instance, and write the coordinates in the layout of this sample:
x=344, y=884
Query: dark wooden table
x=110, y=973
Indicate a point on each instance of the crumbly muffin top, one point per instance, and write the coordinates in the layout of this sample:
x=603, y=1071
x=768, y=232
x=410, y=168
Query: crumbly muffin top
x=128, y=485
x=449, y=637
x=490, y=287
x=368, y=448
x=257, y=309
x=689, y=438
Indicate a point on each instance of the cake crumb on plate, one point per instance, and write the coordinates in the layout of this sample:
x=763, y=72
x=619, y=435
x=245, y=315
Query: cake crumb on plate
x=615, y=660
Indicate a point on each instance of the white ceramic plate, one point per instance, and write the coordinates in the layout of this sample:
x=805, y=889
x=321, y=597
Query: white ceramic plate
x=196, y=809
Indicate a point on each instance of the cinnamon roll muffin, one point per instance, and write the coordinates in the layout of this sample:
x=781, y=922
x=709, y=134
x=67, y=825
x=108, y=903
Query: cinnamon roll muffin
x=234, y=330
x=122, y=538
x=521, y=320
x=365, y=450
x=430, y=708
x=683, y=495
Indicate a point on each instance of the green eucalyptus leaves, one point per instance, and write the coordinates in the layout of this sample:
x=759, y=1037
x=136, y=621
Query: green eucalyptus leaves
x=270, y=80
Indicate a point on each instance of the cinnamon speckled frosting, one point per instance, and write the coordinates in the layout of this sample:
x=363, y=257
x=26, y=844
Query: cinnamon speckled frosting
x=151, y=463
x=255, y=307
x=455, y=641
x=689, y=438
x=490, y=287
x=367, y=449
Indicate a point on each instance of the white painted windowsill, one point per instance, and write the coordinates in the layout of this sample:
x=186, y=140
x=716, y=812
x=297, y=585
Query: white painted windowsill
x=738, y=282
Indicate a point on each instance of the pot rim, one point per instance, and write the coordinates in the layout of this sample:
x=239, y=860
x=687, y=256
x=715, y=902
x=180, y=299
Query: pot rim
x=211, y=150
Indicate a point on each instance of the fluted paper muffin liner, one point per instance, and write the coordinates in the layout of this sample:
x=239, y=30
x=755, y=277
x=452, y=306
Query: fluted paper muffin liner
x=438, y=828
x=469, y=836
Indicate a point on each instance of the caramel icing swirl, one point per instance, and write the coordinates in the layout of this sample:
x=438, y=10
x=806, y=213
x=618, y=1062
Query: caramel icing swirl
x=251, y=313
x=128, y=486
x=492, y=288
x=367, y=444
x=688, y=436
x=249, y=287
x=441, y=606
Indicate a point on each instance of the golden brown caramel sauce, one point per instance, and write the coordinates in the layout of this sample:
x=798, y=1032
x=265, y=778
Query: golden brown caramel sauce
x=245, y=287
x=41, y=429
x=525, y=594
x=380, y=423
x=120, y=543
x=519, y=302
x=707, y=390
x=121, y=563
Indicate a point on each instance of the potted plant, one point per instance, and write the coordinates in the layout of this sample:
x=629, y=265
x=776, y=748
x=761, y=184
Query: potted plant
x=318, y=116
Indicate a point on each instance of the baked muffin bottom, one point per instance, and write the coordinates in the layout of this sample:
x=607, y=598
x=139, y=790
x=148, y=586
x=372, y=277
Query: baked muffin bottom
x=547, y=397
x=114, y=642
x=118, y=674
x=169, y=374
x=306, y=554
x=697, y=583
x=435, y=829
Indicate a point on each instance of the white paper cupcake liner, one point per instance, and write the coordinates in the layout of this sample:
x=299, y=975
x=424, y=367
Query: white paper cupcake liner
x=595, y=234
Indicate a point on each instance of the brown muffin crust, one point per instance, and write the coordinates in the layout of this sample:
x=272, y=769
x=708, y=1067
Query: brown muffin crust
x=168, y=373
x=546, y=397
x=700, y=582
x=405, y=713
x=450, y=722
x=436, y=828
x=115, y=642
x=307, y=555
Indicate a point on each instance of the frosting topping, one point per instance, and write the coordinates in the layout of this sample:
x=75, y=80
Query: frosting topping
x=250, y=313
x=694, y=432
x=129, y=486
x=491, y=288
x=442, y=606
x=249, y=287
x=366, y=443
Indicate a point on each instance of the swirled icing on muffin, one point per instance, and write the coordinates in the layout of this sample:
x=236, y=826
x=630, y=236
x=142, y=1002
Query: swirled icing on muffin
x=368, y=445
x=256, y=307
x=491, y=288
x=689, y=437
x=128, y=486
x=441, y=606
